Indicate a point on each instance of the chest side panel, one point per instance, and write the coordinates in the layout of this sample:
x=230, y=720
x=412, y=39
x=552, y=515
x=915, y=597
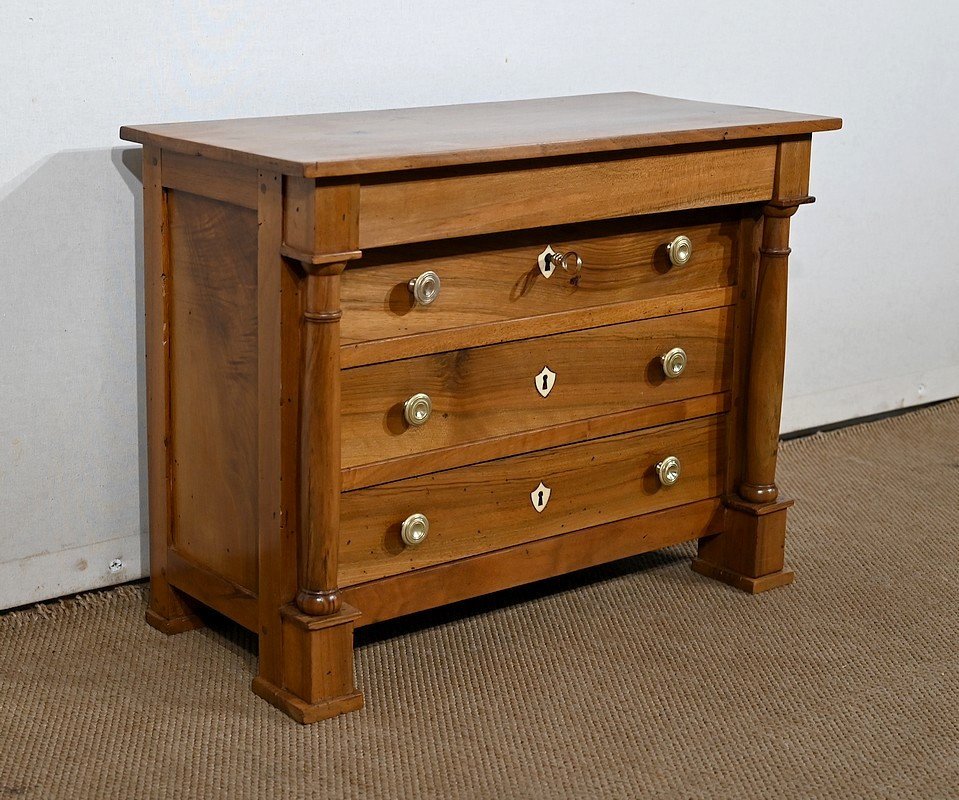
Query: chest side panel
x=213, y=409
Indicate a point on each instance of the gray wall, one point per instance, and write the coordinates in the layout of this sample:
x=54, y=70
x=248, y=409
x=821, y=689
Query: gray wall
x=874, y=277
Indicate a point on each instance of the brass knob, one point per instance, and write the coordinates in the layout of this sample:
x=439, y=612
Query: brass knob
x=679, y=250
x=417, y=409
x=674, y=362
x=570, y=261
x=669, y=470
x=425, y=288
x=414, y=529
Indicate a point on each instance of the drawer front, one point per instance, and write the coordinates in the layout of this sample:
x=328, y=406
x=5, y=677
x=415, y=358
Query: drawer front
x=489, y=506
x=492, y=279
x=443, y=204
x=486, y=392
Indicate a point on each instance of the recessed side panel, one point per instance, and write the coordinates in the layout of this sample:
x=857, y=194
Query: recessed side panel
x=214, y=385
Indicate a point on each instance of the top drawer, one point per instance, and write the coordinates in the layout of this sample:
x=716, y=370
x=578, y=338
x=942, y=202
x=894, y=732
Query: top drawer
x=497, y=280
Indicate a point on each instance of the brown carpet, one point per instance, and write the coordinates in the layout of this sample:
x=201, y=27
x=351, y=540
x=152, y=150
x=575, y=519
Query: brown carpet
x=641, y=679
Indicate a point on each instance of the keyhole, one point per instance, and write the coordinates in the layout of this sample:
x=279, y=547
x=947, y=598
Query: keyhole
x=540, y=501
x=549, y=263
x=545, y=387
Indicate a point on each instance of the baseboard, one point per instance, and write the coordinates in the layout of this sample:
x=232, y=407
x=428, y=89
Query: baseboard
x=847, y=405
x=64, y=572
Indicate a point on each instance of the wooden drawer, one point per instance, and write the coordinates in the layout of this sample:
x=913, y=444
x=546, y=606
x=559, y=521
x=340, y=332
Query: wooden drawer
x=489, y=506
x=494, y=391
x=491, y=280
x=440, y=204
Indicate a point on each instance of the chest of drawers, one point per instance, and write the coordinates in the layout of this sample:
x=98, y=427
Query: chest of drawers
x=398, y=359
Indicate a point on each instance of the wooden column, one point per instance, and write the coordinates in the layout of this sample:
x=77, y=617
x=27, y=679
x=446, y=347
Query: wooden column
x=321, y=231
x=315, y=680
x=320, y=484
x=749, y=554
x=768, y=358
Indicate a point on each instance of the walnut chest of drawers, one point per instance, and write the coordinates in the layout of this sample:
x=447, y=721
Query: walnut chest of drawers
x=397, y=359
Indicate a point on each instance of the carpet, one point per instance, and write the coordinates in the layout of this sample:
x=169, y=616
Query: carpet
x=638, y=679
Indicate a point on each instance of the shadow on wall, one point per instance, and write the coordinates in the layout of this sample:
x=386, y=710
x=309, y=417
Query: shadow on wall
x=129, y=165
x=72, y=382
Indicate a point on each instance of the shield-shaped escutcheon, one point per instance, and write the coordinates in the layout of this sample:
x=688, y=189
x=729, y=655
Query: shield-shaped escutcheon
x=544, y=381
x=545, y=261
x=540, y=496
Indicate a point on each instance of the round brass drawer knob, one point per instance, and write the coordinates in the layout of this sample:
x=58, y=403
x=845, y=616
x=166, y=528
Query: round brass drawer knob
x=425, y=288
x=674, y=362
x=679, y=250
x=669, y=470
x=417, y=409
x=414, y=529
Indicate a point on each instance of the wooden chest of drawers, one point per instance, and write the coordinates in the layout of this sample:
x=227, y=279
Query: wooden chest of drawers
x=397, y=359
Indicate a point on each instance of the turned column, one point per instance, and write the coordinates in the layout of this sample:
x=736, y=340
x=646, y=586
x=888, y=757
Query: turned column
x=320, y=483
x=765, y=386
x=321, y=232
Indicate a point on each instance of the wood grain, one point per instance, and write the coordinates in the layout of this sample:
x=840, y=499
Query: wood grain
x=749, y=552
x=281, y=342
x=328, y=220
x=488, y=506
x=438, y=585
x=317, y=666
x=491, y=391
x=212, y=589
x=410, y=208
x=750, y=237
x=320, y=221
x=353, y=143
x=276, y=542
x=373, y=352
x=314, y=645
x=214, y=390
x=529, y=441
x=489, y=279
x=217, y=180
x=169, y=611
x=768, y=348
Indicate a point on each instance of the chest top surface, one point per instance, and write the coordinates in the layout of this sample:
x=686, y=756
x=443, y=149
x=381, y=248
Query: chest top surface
x=362, y=142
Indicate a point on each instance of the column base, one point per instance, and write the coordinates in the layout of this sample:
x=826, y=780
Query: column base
x=744, y=582
x=749, y=553
x=316, y=668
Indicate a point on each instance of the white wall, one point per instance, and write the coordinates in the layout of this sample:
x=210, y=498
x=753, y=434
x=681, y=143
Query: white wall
x=875, y=284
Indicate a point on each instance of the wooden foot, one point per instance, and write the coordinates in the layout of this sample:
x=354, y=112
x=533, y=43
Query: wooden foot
x=303, y=712
x=317, y=666
x=744, y=582
x=169, y=611
x=170, y=626
x=749, y=553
